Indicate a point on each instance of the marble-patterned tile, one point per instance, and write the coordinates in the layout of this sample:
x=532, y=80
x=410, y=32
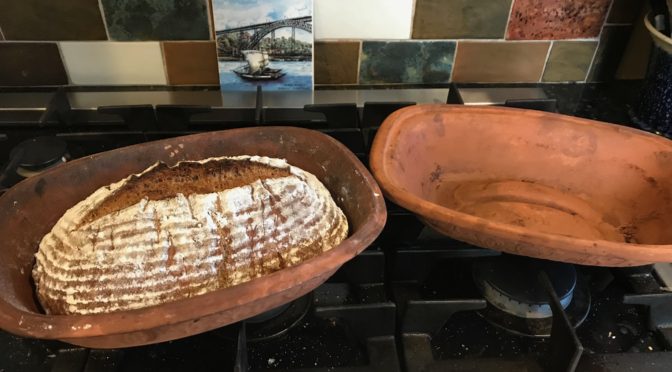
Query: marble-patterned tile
x=391, y=62
x=336, y=62
x=114, y=63
x=569, y=60
x=367, y=19
x=493, y=62
x=613, y=41
x=31, y=64
x=556, y=19
x=453, y=19
x=51, y=20
x=157, y=19
x=190, y=62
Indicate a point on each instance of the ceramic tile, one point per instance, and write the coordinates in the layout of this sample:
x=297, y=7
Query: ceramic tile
x=452, y=19
x=24, y=64
x=51, y=20
x=336, y=62
x=636, y=55
x=157, y=19
x=613, y=42
x=569, y=60
x=113, y=63
x=556, y=19
x=406, y=62
x=191, y=62
x=625, y=11
x=500, y=61
x=363, y=19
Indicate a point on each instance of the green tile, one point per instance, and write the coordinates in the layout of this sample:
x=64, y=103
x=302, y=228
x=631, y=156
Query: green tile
x=453, y=19
x=569, y=60
x=156, y=19
x=406, y=62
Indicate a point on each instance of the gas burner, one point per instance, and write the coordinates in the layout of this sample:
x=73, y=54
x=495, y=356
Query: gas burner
x=271, y=324
x=516, y=299
x=39, y=154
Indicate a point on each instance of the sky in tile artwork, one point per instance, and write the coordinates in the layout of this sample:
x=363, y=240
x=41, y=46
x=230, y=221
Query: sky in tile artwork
x=237, y=13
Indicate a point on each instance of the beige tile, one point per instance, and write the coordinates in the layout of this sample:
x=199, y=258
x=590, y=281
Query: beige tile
x=452, y=19
x=363, y=19
x=569, y=60
x=114, y=63
x=499, y=61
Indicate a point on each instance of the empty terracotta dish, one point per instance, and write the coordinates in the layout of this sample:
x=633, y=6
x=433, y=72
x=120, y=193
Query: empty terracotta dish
x=531, y=183
x=30, y=209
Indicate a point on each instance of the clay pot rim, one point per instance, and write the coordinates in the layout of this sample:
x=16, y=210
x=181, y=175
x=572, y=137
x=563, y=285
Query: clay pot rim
x=31, y=324
x=663, y=41
x=378, y=162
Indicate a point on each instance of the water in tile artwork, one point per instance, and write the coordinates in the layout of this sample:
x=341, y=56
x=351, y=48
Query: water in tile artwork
x=266, y=43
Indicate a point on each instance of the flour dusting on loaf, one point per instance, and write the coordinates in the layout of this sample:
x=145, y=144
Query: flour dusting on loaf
x=170, y=233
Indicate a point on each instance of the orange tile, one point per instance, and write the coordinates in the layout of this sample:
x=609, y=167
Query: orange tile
x=191, y=62
x=556, y=19
x=499, y=61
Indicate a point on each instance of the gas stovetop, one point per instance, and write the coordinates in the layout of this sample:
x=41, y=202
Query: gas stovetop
x=413, y=301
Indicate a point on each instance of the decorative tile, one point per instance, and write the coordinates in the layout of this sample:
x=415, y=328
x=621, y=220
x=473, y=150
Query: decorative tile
x=556, y=19
x=52, y=20
x=157, y=19
x=336, y=62
x=112, y=63
x=363, y=19
x=613, y=42
x=569, y=60
x=406, y=62
x=24, y=64
x=191, y=62
x=625, y=11
x=453, y=19
x=500, y=61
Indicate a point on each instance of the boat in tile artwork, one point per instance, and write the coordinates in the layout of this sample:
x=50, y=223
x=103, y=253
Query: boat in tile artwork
x=257, y=67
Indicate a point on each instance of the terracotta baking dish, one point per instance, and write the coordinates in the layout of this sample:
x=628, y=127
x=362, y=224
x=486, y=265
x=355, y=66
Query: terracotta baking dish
x=531, y=183
x=30, y=209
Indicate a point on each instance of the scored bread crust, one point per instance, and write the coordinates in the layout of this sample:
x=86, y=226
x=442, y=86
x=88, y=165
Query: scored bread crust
x=170, y=233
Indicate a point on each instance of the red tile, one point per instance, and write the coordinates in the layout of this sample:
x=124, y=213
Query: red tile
x=556, y=19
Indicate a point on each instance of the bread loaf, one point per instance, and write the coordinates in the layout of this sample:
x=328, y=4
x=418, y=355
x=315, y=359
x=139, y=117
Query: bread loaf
x=170, y=233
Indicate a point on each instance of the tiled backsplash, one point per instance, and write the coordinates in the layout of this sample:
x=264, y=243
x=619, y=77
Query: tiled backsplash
x=157, y=42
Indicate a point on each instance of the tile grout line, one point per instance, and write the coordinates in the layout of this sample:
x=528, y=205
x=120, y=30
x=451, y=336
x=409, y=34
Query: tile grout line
x=65, y=65
x=415, y=4
x=211, y=21
x=452, y=69
x=165, y=64
x=599, y=42
x=104, y=19
x=508, y=20
x=548, y=55
x=359, y=60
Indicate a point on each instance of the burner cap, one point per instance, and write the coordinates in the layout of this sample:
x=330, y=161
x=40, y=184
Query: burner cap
x=511, y=284
x=40, y=152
